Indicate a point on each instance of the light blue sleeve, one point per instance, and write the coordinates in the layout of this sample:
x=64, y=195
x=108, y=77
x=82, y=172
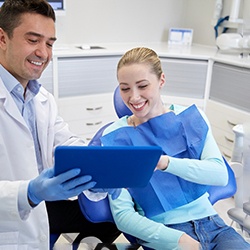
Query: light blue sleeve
x=157, y=235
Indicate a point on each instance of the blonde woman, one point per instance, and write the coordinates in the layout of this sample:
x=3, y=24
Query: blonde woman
x=173, y=211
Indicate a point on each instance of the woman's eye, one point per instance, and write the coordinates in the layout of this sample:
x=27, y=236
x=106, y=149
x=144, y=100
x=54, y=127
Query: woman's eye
x=143, y=86
x=124, y=89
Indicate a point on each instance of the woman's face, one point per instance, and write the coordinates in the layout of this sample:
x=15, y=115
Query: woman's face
x=140, y=90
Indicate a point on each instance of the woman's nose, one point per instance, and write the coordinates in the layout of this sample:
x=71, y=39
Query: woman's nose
x=135, y=95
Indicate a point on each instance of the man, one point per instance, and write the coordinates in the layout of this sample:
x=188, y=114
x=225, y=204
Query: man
x=29, y=132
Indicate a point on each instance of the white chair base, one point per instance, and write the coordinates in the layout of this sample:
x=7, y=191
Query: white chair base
x=241, y=217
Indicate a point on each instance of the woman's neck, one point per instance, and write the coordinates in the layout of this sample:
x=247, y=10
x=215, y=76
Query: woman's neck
x=135, y=121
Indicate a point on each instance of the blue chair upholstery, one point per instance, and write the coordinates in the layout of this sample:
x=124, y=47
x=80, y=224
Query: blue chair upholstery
x=100, y=211
x=95, y=211
x=222, y=192
x=95, y=141
x=120, y=108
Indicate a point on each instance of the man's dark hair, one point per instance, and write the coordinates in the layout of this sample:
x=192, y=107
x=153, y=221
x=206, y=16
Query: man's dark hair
x=12, y=10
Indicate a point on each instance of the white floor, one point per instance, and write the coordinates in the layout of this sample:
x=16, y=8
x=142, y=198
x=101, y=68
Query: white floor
x=221, y=207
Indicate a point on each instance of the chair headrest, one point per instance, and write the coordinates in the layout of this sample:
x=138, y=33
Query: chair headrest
x=120, y=107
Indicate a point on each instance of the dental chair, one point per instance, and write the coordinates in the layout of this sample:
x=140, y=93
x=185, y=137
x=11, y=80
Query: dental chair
x=100, y=211
x=246, y=223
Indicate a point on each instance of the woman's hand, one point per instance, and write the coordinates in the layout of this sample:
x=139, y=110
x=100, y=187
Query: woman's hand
x=188, y=243
x=162, y=163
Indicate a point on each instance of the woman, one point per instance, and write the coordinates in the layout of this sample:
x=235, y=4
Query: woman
x=173, y=211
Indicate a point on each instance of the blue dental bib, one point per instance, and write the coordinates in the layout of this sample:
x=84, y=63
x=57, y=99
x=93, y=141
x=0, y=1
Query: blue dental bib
x=180, y=136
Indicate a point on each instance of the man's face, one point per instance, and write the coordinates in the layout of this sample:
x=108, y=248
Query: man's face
x=27, y=53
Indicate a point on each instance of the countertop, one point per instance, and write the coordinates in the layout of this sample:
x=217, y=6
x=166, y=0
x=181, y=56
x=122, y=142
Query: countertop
x=196, y=51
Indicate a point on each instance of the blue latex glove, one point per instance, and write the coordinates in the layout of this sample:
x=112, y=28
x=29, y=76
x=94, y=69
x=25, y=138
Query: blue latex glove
x=114, y=192
x=61, y=187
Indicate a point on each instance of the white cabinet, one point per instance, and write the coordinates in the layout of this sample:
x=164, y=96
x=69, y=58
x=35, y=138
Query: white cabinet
x=228, y=104
x=86, y=75
x=85, y=92
x=83, y=87
x=85, y=114
x=223, y=118
x=185, y=81
x=231, y=85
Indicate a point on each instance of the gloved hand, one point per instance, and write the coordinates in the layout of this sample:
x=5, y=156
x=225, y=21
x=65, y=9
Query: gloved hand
x=114, y=192
x=61, y=187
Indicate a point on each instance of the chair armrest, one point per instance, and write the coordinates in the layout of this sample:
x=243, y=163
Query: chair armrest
x=237, y=215
x=246, y=207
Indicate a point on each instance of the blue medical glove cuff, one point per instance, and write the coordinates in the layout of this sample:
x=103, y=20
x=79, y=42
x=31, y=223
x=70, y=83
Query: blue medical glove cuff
x=32, y=198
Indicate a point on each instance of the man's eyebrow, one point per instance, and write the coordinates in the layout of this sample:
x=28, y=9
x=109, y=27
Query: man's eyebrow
x=39, y=35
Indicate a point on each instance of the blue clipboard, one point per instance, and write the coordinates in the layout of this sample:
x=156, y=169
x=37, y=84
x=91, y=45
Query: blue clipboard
x=110, y=166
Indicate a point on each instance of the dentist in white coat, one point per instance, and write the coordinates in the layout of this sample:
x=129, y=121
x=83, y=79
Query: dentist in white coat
x=30, y=129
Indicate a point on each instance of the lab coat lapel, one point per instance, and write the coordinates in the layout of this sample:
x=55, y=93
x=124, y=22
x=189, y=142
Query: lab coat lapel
x=7, y=103
x=40, y=102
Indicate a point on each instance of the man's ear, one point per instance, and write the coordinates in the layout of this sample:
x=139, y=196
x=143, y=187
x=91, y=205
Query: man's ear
x=3, y=37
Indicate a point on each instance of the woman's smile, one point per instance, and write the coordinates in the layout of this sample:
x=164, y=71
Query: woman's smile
x=138, y=106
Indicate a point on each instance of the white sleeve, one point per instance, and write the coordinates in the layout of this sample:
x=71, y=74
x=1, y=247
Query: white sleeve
x=13, y=200
x=24, y=207
x=94, y=196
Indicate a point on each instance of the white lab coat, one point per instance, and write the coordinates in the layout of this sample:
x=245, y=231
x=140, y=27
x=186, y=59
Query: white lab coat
x=26, y=229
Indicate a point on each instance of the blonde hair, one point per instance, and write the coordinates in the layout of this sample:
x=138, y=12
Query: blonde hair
x=142, y=55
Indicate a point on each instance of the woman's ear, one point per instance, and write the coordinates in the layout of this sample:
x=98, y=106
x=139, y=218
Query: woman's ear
x=162, y=80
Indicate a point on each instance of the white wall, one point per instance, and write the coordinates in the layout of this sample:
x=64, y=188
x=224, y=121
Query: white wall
x=115, y=21
x=94, y=21
x=199, y=14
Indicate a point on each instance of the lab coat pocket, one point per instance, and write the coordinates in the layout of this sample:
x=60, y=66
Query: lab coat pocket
x=9, y=241
x=14, y=247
